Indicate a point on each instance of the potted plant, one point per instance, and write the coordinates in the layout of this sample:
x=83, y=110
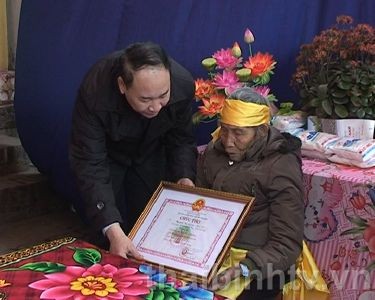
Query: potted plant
x=335, y=74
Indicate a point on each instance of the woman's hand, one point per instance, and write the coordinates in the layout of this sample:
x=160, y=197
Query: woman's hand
x=222, y=279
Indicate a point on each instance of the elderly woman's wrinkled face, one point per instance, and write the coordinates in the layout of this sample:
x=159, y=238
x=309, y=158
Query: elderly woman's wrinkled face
x=236, y=140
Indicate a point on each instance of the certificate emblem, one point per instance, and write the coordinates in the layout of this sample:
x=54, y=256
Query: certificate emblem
x=198, y=204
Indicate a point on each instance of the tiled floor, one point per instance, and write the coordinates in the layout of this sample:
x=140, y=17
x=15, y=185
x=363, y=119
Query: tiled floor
x=31, y=213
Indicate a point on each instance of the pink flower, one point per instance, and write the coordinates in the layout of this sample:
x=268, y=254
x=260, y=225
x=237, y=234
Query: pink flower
x=262, y=90
x=96, y=282
x=225, y=59
x=228, y=81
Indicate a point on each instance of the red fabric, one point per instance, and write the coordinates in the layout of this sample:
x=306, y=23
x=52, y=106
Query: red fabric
x=15, y=283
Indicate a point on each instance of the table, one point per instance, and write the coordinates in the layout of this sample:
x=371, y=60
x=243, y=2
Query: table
x=340, y=226
x=73, y=269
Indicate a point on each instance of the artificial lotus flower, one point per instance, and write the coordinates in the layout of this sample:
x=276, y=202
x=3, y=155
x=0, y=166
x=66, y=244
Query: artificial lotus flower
x=261, y=64
x=227, y=72
x=243, y=74
x=225, y=59
x=263, y=90
x=248, y=36
x=212, y=106
x=228, y=81
x=236, y=50
x=203, y=88
x=209, y=63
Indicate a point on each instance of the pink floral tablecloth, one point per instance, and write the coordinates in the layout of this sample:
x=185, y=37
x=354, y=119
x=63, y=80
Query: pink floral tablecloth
x=72, y=269
x=340, y=226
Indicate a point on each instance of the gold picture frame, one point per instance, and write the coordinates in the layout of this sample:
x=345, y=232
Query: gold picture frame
x=187, y=231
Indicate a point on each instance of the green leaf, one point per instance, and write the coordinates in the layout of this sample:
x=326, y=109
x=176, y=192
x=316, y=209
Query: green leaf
x=44, y=266
x=86, y=256
x=264, y=79
x=365, y=81
x=371, y=266
x=338, y=94
x=327, y=106
x=344, y=85
x=158, y=295
x=355, y=101
x=196, y=118
x=355, y=91
x=315, y=102
x=346, y=78
x=361, y=113
x=361, y=222
x=150, y=295
x=340, y=100
x=322, y=90
x=364, y=100
x=163, y=292
x=356, y=230
x=363, y=249
x=341, y=111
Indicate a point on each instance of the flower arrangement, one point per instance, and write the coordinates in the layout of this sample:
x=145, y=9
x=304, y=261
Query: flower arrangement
x=335, y=74
x=228, y=70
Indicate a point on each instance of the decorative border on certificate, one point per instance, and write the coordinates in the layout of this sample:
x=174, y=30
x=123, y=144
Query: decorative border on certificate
x=189, y=230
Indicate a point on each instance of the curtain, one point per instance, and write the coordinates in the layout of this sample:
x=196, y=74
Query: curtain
x=59, y=40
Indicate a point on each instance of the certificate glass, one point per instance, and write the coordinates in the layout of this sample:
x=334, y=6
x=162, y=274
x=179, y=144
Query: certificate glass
x=188, y=230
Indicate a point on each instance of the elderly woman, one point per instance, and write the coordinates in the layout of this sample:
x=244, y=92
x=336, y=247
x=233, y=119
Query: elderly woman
x=248, y=156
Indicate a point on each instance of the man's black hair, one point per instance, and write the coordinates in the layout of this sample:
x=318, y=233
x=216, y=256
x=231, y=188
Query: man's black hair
x=140, y=55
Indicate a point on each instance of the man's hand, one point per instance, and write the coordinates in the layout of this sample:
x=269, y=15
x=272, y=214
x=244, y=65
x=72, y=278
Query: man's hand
x=120, y=244
x=186, y=181
x=222, y=279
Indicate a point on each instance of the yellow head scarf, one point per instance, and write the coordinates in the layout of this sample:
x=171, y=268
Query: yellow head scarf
x=243, y=114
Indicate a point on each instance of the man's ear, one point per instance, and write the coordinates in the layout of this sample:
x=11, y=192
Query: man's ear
x=121, y=85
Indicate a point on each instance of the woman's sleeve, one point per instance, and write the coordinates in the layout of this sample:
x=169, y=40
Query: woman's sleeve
x=286, y=217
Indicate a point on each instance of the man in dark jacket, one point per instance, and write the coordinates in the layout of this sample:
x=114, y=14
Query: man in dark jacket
x=131, y=129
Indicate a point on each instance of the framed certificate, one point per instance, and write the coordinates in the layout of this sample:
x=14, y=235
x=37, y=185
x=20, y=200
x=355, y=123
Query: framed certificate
x=187, y=231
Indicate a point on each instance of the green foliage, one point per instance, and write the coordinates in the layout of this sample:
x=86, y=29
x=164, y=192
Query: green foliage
x=335, y=74
x=86, y=256
x=43, y=266
x=286, y=109
x=163, y=292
